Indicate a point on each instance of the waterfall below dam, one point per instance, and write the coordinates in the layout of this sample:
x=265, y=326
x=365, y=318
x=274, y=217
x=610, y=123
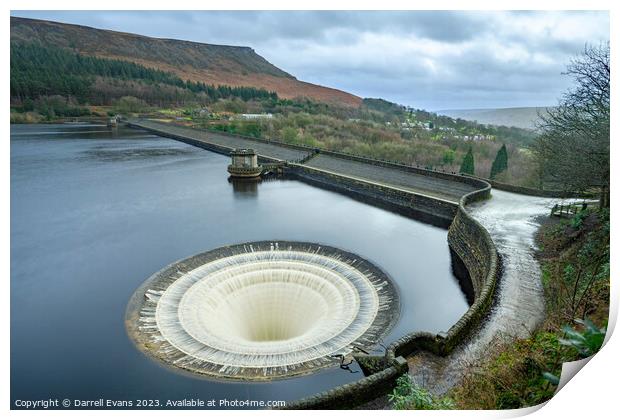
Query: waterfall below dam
x=512, y=221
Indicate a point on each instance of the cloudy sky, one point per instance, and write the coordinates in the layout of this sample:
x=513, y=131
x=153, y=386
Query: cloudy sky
x=426, y=59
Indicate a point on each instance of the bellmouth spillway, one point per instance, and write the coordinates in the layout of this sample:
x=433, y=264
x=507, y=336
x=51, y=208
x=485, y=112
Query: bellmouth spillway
x=262, y=310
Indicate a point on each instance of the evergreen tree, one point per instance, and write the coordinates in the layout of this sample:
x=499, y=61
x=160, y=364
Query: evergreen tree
x=467, y=167
x=38, y=71
x=500, y=164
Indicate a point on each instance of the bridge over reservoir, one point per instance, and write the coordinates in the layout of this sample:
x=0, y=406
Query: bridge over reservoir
x=437, y=185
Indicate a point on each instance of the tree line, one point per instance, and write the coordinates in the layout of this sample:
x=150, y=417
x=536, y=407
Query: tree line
x=38, y=70
x=573, y=148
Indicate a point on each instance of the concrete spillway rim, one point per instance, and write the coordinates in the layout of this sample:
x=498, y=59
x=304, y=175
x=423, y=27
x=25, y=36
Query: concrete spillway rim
x=147, y=340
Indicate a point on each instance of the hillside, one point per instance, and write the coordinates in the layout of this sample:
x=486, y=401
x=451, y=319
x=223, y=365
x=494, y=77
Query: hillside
x=511, y=117
x=205, y=63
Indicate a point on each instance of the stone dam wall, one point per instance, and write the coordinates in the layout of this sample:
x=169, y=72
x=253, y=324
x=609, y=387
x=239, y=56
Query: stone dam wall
x=356, y=393
x=420, y=207
x=451, y=176
x=472, y=243
x=192, y=141
x=469, y=242
x=536, y=192
x=311, y=151
x=307, y=150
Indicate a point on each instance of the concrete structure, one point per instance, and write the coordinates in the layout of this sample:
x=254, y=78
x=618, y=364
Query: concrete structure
x=244, y=164
x=223, y=143
x=263, y=310
x=113, y=121
x=436, y=184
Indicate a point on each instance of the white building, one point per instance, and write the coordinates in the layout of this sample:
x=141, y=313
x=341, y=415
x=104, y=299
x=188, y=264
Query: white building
x=255, y=116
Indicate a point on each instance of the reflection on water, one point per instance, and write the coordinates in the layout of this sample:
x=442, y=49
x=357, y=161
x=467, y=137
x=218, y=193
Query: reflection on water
x=88, y=226
x=244, y=187
x=104, y=154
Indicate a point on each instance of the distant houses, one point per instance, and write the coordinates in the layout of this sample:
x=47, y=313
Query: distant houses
x=427, y=125
x=256, y=116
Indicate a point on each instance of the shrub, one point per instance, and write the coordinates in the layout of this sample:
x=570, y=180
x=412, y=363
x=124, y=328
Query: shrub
x=130, y=104
x=578, y=218
x=587, y=342
x=409, y=396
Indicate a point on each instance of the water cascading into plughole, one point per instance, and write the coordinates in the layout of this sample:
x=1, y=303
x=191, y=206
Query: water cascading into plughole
x=262, y=310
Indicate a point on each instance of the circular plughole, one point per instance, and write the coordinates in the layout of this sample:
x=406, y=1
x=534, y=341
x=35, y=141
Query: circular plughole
x=262, y=310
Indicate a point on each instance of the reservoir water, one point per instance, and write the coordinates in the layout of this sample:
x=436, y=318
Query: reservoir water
x=96, y=211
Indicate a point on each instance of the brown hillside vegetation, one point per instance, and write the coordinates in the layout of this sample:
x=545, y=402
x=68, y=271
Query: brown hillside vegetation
x=211, y=64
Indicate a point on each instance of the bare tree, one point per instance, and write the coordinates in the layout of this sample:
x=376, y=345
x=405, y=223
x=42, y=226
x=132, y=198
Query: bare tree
x=573, y=147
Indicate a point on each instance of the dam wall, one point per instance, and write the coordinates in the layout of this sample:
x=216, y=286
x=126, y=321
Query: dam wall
x=212, y=147
x=189, y=136
x=356, y=393
x=267, y=152
x=431, y=196
x=470, y=244
x=535, y=192
x=420, y=207
x=451, y=176
x=442, y=185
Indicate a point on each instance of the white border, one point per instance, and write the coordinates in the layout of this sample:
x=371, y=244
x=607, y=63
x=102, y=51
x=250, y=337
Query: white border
x=590, y=395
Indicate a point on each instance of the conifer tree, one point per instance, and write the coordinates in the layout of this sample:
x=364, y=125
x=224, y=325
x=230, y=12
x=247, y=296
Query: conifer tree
x=500, y=164
x=467, y=167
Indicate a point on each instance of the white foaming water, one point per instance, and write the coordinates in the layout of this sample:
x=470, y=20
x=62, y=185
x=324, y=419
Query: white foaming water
x=512, y=221
x=268, y=313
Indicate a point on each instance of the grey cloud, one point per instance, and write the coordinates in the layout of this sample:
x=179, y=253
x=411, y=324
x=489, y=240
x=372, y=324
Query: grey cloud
x=269, y=25
x=427, y=59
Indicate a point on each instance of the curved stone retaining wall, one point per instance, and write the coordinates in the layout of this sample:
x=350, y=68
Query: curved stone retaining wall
x=356, y=393
x=474, y=246
x=427, y=209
